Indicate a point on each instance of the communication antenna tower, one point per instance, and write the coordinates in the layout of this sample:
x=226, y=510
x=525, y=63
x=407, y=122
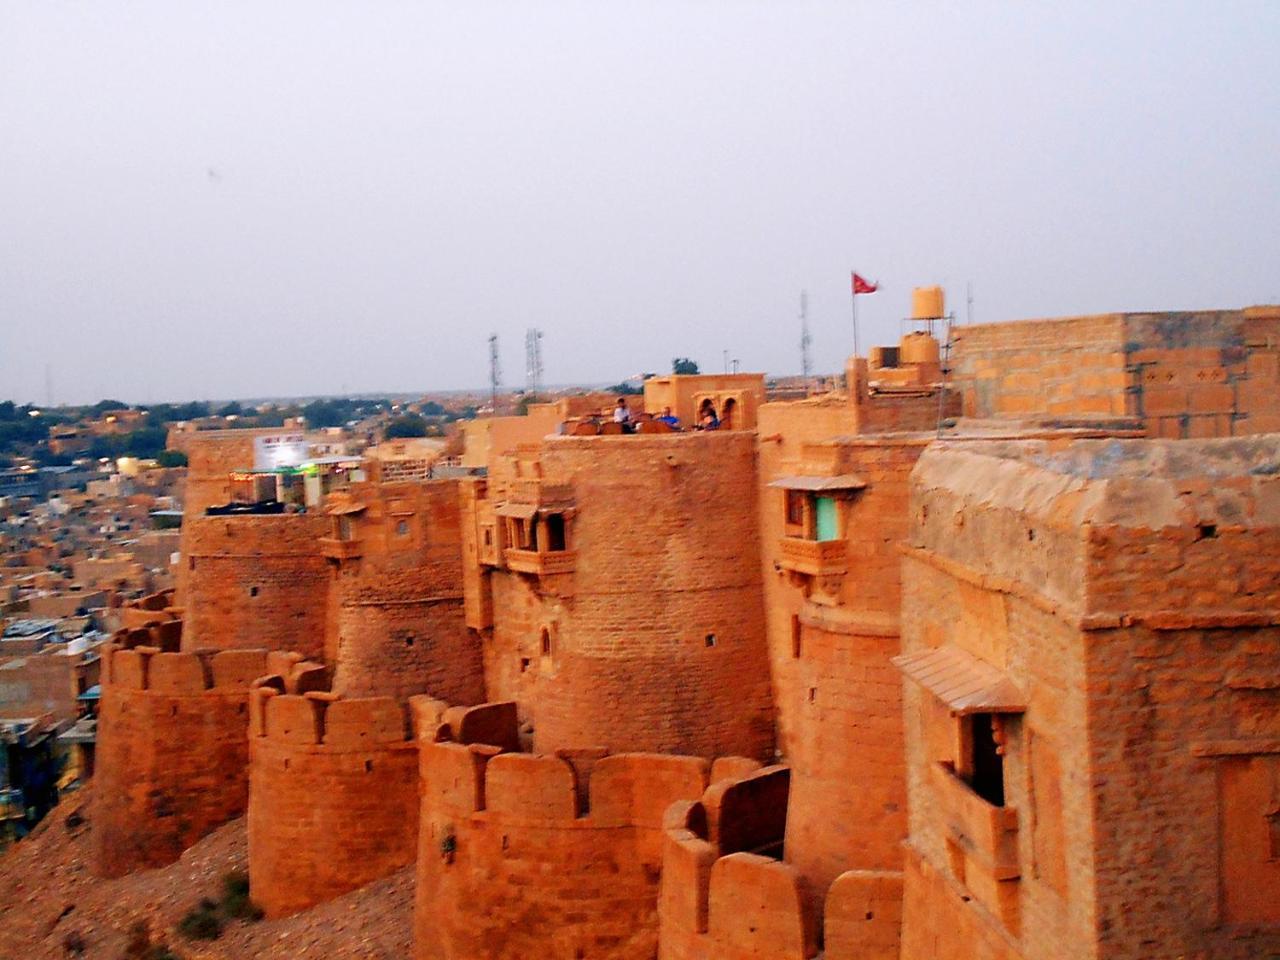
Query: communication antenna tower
x=533, y=359
x=495, y=371
x=806, y=364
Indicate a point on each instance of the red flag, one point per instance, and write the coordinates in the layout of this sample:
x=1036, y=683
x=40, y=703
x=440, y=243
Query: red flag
x=861, y=286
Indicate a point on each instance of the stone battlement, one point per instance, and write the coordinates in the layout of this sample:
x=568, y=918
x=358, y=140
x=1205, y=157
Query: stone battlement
x=332, y=789
x=318, y=718
x=173, y=751
x=727, y=892
x=169, y=673
x=518, y=848
x=619, y=790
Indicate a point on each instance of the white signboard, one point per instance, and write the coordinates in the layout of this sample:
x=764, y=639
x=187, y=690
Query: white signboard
x=279, y=450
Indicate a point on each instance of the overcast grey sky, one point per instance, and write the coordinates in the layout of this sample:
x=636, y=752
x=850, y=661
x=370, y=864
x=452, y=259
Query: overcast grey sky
x=226, y=199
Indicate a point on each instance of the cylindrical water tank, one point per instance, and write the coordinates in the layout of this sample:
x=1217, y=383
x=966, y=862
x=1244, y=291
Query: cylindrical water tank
x=926, y=303
x=918, y=347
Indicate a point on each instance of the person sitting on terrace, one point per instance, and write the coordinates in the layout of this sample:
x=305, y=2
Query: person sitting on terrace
x=709, y=420
x=622, y=415
x=670, y=419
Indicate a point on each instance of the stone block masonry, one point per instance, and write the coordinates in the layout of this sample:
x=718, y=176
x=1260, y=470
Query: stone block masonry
x=256, y=582
x=172, y=760
x=525, y=855
x=332, y=795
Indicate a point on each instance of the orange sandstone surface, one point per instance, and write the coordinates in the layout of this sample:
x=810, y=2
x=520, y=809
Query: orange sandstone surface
x=51, y=897
x=976, y=658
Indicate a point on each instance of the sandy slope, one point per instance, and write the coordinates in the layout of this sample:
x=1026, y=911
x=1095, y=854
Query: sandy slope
x=47, y=892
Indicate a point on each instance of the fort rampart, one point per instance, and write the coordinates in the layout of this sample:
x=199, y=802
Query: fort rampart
x=727, y=894
x=396, y=626
x=172, y=747
x=526, y=855
x=332, y=793
x=255, y=581
x=657, y=581
x=1206, y=374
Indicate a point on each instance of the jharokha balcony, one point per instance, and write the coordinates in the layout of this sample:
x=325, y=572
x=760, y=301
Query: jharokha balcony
x=815, y=558
x=542, y=564
x=540, y=492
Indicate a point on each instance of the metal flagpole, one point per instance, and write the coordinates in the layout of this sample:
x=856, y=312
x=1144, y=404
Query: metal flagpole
x=853, y=297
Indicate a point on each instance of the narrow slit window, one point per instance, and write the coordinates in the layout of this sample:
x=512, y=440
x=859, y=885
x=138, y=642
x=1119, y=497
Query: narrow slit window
x=555, y=531
x=795, y=508
x=986, y=768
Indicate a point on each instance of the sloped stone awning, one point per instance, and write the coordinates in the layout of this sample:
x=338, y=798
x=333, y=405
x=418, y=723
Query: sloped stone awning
x=962, y=681
x=517, y=511
x=343, y=509
x=844, y=481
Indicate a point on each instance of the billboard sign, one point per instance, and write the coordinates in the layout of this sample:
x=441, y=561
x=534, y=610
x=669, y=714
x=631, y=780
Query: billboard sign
x=277, y=450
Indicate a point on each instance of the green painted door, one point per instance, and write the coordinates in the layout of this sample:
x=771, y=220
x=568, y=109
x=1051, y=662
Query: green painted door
x=825, y=515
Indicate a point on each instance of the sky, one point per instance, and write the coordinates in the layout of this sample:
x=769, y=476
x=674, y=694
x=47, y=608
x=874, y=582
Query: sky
x=218, y=199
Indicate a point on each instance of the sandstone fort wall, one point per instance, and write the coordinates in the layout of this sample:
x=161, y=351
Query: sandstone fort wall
x=172, y=752
x=256, y=581
x=726, y=895
x=1207, y=374
x=332, y=795
x=536, y=855
x=1157, y=851
x=660, y=644
x=398, y=620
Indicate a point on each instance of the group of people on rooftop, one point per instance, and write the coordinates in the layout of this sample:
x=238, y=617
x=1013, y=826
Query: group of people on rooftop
x=706, y=421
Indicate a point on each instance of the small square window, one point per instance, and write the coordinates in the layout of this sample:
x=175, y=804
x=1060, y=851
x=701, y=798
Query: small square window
x=402, y=528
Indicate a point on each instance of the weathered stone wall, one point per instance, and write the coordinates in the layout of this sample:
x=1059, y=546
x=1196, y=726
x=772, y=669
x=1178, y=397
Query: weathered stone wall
x=838, y=695
x=255, y=581
x=1206, y=374
x=398, y=621
x=211, y=456
x=332, y=796
x=1066, y=367
x=1128, y=588
x=727, y=896
x=172, y=752
x=533, y=855
x=654, y=619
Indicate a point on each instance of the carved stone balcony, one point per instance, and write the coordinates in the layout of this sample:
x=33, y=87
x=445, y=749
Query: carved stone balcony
x=815, y=558
x=334, y=549
x=540, y=564
x=540, y=492
x=982, y=841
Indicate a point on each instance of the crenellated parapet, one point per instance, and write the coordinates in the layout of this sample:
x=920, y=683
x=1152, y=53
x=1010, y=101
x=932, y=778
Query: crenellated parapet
x=333, y=798
x=172, y=753
x=541, y=854
x=727, y=892
x=144, y=611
